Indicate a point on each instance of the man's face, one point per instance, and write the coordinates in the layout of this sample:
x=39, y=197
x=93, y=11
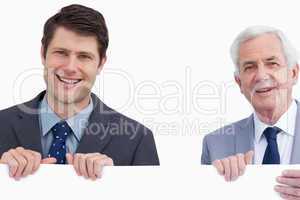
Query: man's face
x=71, y=64
x=264, y=77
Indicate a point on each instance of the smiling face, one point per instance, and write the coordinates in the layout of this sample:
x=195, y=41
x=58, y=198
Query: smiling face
x=71, y=64
x=264, y=77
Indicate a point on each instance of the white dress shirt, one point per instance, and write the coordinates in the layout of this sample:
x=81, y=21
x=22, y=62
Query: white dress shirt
x=285, y=138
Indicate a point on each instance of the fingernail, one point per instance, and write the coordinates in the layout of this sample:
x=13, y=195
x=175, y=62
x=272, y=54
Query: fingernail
x=285, y=173
x=279, y=179
x=276, y=187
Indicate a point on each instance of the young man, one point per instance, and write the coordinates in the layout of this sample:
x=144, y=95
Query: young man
x=67, y=123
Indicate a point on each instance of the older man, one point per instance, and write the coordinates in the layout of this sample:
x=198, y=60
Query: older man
x=266, y=71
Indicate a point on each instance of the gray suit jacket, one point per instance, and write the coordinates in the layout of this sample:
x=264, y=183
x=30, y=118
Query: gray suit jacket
x=238, y=137
x=125, y=140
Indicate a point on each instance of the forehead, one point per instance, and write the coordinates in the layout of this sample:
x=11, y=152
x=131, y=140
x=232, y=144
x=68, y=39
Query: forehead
x=64, y=38
x=261, y=47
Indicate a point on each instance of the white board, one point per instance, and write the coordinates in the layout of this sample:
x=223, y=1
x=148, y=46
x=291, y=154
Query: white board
x=169, y=182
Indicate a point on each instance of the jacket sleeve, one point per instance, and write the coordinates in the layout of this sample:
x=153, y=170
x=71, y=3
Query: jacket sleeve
x=146, y=153
x=8, y=139
x=205, y=158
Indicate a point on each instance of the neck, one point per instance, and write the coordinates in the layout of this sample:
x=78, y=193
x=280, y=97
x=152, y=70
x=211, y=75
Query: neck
x=270, y=117
x=66, y=110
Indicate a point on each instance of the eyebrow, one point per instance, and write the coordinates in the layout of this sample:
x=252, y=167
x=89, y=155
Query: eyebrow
x=272, y=58
x=248, y=63
x=78, y=53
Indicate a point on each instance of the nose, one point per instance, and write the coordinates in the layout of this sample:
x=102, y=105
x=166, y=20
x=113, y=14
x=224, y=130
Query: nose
x=71, y=65
x=262, y=72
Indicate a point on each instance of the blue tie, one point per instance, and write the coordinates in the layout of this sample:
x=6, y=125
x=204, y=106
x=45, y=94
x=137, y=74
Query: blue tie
x=58, y=150
x=271, y=154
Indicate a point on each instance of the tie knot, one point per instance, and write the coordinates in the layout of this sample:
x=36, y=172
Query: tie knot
x=271, y=133
x=61, y=130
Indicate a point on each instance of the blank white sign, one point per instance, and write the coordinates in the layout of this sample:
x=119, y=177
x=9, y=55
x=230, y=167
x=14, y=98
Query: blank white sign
x=198, y=182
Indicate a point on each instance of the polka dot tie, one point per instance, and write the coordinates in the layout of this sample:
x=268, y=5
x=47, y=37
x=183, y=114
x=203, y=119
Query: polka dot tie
x=60, y=132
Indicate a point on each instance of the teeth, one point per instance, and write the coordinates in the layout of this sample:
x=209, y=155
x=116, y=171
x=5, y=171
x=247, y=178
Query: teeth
x=264, y=90
x=69, y=81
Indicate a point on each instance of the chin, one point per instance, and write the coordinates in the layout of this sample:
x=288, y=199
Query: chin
x=264, y=106
x=73, y=98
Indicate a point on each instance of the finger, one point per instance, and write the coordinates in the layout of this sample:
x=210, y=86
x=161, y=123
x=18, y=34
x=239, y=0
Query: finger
x=288, y=197
x=286, y=190
x=69, y=158
x=249, y=157
x=76, y=164
x=20, y=149
x=8, y=159
x=50, y=160
x=1, y=160
x=292, y=173
x=234, y=169
x=241, y=163
x=99, y=164
x=90, y=166
x=82, y=165
x=21, y=162
x=218, y=165
x=37, y=160
x=226, y=165
x=29, y=162
x=295, y=182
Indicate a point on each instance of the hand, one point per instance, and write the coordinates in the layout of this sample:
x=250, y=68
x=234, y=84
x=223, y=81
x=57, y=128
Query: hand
x=22, y=162
x=89, y=165
x=233, y=166
x=291, y=184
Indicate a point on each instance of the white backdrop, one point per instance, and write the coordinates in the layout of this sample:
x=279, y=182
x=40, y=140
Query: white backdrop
x=168, y=62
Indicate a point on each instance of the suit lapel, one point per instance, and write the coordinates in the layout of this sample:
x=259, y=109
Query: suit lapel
x=244, y=136
x=26, y=125
x=95, y=138
x=295, y=157
x=98, y=132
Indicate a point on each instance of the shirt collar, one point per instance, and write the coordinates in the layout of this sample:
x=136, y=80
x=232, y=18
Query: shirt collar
x=286, y=122
x=77, y=122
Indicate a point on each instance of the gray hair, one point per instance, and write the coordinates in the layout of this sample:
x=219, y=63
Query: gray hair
x=290, y=53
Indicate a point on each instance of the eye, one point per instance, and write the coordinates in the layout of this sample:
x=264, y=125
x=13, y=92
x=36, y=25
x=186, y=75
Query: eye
x=85, y=57
x=248, y=67
x=60, y=52
x=273, y=64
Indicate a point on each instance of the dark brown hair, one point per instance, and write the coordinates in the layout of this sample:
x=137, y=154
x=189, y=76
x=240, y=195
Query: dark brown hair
x=80, y=19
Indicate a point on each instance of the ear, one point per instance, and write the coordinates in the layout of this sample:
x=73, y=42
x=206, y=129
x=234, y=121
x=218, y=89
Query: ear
x=42, y=55
x=238, y=81
x=295, y=73
x=102, y=62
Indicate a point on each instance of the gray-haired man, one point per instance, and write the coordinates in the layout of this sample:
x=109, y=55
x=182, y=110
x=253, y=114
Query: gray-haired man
x=266, y=71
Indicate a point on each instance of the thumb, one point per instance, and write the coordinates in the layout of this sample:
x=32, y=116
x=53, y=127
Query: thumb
x=69, y=158
x=249, y=157
x=49, y=161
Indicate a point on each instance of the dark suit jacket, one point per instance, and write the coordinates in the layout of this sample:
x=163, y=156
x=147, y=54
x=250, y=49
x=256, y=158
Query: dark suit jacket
x=108, y=132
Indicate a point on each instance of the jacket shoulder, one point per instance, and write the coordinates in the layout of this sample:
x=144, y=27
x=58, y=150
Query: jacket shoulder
x=221, y=142
x=126, y=123
x=226, y=131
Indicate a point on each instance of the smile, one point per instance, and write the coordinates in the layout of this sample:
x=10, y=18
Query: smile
x=264, y=90
x=68, y=81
